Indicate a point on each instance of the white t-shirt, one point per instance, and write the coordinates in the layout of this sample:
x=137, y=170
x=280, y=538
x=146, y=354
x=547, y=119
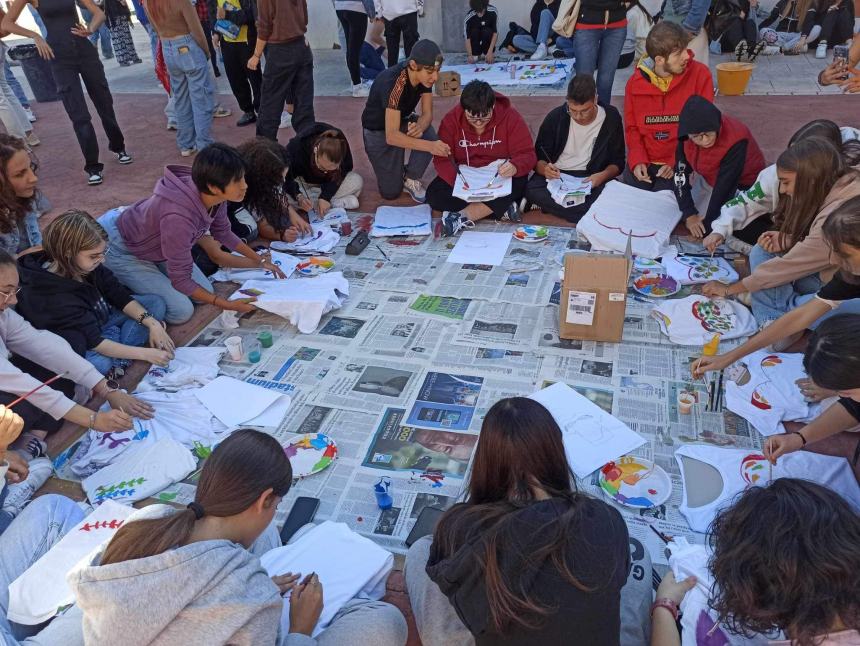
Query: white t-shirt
x=580, y=143
x=771, y=396
x=742, y=468
x=189, y=367
x=695, y=319
x=692, y=270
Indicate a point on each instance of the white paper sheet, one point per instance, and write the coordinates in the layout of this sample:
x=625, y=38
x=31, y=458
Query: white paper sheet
x=546, y=72
x=322, y=240
x=484, y=183
x=592, y=437
x=235, y=402
x=285, y=261
x=402, y=221
x=568, y=190
x=332, y=217
x=480, y=248
x=273, y=415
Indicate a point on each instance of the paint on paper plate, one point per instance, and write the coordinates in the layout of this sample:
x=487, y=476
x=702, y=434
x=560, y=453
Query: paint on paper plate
x=635, y=482
x=531, y=233
x=315, y=266
x=310, y=454
x=656, y=285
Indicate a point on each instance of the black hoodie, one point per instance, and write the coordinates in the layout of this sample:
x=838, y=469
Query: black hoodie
x=76, y=311
x=300, y=153
x=598, y=556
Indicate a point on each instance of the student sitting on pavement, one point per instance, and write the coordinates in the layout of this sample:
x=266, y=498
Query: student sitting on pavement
x=320, y=157
x=653, y=98
x=582, y=138
x=481, y=30
x=717, y=156
x=390, y=126
x=482, y=129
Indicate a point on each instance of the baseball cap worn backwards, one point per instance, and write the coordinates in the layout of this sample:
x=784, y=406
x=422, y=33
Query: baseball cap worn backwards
x=426, y=52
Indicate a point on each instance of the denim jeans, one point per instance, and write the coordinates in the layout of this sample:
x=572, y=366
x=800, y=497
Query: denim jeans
x=771, y=303
x=103, y=34
x=122, y=329
x=11, y=112
x=145, y=277
x=526, y=43
x=38, y=527
x=599, y=49
x=15, y=84
x=38, y=20
x=193, y=91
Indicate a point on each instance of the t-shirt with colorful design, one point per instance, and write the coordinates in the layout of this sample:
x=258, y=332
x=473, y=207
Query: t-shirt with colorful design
x=695, y=319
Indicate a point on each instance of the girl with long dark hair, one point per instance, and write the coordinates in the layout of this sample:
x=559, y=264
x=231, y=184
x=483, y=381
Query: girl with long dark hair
x=19, y=213
x=526, y=559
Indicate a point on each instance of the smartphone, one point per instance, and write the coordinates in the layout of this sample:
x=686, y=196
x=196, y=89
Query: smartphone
x=425, y=525
x=840, y=55
x=302, y=513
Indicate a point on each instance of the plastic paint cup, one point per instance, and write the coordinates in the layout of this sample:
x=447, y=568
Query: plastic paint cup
x=264, y=336
x=383, y=497
x=234, y=347
x=255, y=351
x=345, y=228
x=685, y=403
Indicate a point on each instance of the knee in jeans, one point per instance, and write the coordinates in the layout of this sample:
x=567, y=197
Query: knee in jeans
x=179, y=310
x=389, y=625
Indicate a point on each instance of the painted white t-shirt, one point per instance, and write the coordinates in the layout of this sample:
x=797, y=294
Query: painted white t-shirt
x=691, y=270
x=771, y=396
x=695, y=319
x=189, y=367
x=742, y=468
x=580, y=143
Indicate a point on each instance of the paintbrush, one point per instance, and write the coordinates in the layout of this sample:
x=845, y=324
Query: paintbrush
x=384, y=255
x=663, y=537
x=39, y=387
x=457, y=168
x=497, y=172
x=719, y=399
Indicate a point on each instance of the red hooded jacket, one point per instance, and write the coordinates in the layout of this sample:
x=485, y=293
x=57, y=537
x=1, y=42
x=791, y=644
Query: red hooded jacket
x=506, y=136
x=706, y=161
x=651, y=116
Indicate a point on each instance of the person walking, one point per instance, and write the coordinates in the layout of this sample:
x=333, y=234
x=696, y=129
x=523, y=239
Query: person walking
x=74, y=59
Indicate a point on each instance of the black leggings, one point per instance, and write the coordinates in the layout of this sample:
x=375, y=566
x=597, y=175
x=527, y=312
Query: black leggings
x=354, y=28
x=407, y=25
x=837, y=26
x=738, y=30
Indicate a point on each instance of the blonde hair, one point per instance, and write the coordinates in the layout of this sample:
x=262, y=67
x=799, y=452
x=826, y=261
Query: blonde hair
x=71, y=233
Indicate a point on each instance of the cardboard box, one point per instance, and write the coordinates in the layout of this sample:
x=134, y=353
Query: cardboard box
x=448, y=84
x=594, y=296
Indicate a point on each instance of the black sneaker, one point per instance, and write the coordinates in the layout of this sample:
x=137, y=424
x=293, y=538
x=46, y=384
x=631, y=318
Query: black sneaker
x=95, y=179
x=741, y=50
x=247, y=118
x=759, y=46
x=124, y=158
x=37, y=448
x=512, y=214
x=453, y=222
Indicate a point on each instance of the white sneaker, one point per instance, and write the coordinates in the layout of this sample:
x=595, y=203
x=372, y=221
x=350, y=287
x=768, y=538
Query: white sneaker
x=30, y=114
x=770, y=50
x=221, y=111
x=360, y=90
x=286, y=120
x=32, y=139
x=821, y=50
x=187, y=152
x=347, y=202
x=415, y=190
x=540, y=53
x=22, y=492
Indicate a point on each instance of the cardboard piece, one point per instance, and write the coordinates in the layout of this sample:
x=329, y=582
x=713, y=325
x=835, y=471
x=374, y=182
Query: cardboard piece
x=448, y=84
x=594, y=296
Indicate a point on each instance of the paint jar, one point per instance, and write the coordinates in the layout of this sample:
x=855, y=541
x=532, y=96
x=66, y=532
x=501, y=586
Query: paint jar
x=234, y=347
x=383, y=497
x=345, y=228
x=264, y=336
x=255, y=351
x=685, y=403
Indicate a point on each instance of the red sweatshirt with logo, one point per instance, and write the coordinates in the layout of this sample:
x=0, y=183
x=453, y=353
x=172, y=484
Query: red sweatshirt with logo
x=651, y=115
x=506, y=136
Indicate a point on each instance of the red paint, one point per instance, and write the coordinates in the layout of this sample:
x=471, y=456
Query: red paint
x=652, y=491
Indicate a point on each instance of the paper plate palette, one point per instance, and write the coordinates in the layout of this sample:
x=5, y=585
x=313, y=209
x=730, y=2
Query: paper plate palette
x=310, y=454
x=531, y=233
x=656, y=285
x=314, y=266
x=647, y=266
x=635, y=482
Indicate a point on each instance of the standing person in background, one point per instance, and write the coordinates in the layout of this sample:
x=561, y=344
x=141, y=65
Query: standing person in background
x=598, y=40
x=206, y=22
x=74, y=58
x=289, y=73
x=400, y=17
x=353, y=18
x=118, y=20
x=12, y=113
x=245, y=83
x=481, y=31
x=15, y=84
x=640, y=18
x=185, y=50
x=143, y=19
x=692, y=15
x=101, y=34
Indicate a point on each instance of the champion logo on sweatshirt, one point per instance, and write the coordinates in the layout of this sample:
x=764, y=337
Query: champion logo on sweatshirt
x=465, y=143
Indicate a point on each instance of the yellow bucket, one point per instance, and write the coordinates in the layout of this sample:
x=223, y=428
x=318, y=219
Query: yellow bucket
x=732, y=78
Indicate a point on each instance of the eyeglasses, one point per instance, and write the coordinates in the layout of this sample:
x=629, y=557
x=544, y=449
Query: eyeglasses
x=7, y=295
x=580, y=114
x=475, y=118
x=701, y=136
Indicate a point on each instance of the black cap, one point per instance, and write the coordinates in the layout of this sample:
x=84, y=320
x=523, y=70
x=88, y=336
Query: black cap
x=426, y=52
x=698, y=115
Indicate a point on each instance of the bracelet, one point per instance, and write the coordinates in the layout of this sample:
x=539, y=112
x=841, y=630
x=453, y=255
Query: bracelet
x=214, y=298
x=669, y=605
x=143, y=317
x=802, y=439
x=93, y=420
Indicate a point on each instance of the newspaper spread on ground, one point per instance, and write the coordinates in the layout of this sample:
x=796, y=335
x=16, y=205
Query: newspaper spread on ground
x=402, y=375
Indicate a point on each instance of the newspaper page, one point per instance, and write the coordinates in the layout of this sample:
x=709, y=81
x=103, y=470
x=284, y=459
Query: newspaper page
x=505, y=325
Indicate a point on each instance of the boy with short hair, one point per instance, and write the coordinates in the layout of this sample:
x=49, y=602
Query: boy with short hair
x=390, y=127
x=653, y=99
x=481, y=31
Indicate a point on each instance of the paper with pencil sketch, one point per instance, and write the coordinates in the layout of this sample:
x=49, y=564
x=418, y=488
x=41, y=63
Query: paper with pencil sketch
x=481, y=184
x=480, y=248
x=402, y=221
x=592, y=437
x=568, y=190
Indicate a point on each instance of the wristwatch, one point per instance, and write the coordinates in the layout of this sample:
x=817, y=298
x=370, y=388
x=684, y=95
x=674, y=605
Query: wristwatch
x=143, y=317
x=111, y=386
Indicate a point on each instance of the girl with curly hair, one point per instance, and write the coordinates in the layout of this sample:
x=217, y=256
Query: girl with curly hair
x=19, y=214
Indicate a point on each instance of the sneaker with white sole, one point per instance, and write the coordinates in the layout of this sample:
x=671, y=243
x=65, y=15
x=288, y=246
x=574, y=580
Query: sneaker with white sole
x=770, y=50
x=540, y=53
x=821, y=50
x=415, y=190
x=36, y=448
x=94, y=179
x=286, y=120
x=124, y=158
x=347, y=202
x=453, y=222
x=32, y=139
x=221, y=111
x=171, y=125
x=187, y=152
x=360, y=90
x=31, y=116
x=512, y=214
x=19, y=494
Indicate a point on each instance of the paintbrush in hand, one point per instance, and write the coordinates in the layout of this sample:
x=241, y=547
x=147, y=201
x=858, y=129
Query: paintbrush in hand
x=497, y=173
x=39, y=387
x=457, y=168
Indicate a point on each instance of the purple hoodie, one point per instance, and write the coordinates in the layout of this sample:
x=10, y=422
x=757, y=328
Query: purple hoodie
x=165, y=226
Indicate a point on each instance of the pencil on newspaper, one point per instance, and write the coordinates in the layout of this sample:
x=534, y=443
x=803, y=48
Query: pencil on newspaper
x=39, y=387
